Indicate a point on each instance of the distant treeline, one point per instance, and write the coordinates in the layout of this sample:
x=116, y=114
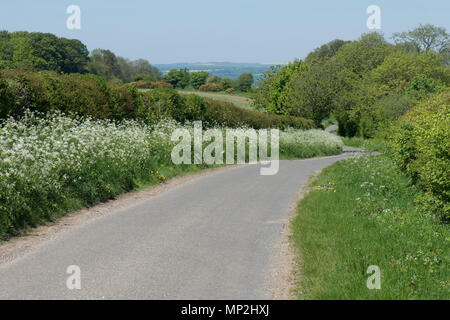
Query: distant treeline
x=230, y=70
x=204, y=81
x=365, y=84
x=36, y=51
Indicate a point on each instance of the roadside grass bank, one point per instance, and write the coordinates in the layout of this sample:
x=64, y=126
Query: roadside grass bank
x=54, y=164
x=360, y=212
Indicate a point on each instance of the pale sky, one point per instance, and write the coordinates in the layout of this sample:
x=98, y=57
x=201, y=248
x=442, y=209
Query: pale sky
x=212, y=30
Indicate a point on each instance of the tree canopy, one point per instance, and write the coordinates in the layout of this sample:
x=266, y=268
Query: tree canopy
x=363, y=83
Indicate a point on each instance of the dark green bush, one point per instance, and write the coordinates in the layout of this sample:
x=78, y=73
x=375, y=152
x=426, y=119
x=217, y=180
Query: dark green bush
x=85, y=95
x=161, y=103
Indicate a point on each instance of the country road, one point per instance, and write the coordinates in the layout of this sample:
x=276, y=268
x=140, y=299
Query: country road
x=211, y=238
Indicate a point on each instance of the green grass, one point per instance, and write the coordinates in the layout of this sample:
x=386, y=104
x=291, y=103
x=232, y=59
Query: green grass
x=355, y=142
x=238, y=99
x=375, y=144
x=363, y=214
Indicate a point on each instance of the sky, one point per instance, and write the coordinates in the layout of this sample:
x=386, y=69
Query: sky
x=167, y=31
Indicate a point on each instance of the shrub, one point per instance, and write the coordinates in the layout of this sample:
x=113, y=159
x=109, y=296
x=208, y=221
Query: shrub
x=84, y=95
x=211, y=87
x=421, y=147
x=6, y=98
x=161, y=103
x=194, y=107
x=150, y=84
x=229, y=90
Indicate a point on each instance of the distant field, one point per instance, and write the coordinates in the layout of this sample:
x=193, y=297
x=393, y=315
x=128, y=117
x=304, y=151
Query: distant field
x=239, y=100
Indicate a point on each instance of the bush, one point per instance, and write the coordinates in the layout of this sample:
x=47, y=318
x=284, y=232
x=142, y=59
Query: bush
x=421, y=147
x=211, y=87
x=150, y=84
x=84, y=95
x=229, y=90
x=161, y=103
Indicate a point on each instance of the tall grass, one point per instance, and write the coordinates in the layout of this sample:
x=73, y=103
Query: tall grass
x=361, y=213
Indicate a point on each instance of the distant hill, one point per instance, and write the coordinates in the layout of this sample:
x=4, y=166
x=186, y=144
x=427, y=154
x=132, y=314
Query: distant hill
x=222, y=69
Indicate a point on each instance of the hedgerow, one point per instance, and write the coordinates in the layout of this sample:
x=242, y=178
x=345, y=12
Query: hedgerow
x=88, y=95
x=420, y=143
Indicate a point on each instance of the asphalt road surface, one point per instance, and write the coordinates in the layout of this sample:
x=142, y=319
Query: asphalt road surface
x=211, y=238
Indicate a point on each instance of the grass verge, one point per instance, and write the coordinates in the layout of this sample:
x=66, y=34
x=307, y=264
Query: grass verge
x=360, y=212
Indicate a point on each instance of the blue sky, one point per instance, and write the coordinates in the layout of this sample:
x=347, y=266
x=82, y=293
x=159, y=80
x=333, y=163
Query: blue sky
x=212, y=30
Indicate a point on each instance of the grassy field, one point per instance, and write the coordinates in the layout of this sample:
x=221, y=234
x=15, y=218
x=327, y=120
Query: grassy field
x=238, y=99
x=360, y=212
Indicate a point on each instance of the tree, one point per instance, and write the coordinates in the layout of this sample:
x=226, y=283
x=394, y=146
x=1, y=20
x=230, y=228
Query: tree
x=38, y=51
x=126, y=69
x=272, y=86
x=244, y=82
x=424, y=38
x=198, y=79
x=104, y=63
x=226, y=83
x=325, y=51
x=213, y=79
x=143, y=67
x=75, y=56
x=178, y=78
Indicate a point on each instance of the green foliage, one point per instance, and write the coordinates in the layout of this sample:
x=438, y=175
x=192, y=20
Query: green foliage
x=327, y=50
x=161, y=103
x=271, y=87
x=198, y=79
x=226, y=83
x=244, y=82
x=6, y=98
x=424, y=38
x=211, y=87
x=84, y=95
x=365, y=84
x=158, y=104
x=89, y=95
x=420, y=143
x=42, y=51
x=117, y=69
x=226, y=114
x=141, y=84
x=178, y=78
